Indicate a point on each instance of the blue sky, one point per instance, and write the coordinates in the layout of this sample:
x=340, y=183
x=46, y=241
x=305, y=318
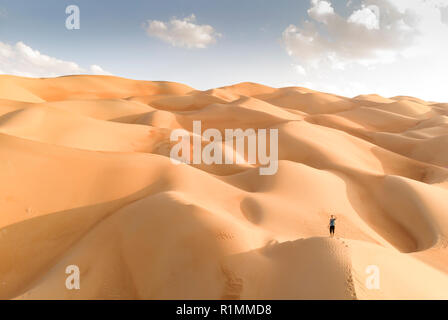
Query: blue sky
x=351, y=52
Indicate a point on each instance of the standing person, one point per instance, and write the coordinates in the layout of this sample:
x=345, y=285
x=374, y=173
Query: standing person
x=332, y=225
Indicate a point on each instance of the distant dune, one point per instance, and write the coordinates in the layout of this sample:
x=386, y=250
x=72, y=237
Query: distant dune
x=86, y=180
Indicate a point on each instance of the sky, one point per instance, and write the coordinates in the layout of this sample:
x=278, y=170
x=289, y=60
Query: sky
x=347, y=47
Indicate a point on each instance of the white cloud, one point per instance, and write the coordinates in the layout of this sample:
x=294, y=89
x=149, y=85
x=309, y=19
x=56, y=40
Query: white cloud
x=390, y=47
x=96, y=69
x=367, y=16
x=362, y=37
x=22, y=60
x=320, y=10
x=182, y=33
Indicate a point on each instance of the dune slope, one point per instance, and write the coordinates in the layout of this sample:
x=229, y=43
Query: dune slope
x=86, y=179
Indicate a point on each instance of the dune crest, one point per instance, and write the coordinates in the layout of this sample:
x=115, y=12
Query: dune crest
x=86, y=180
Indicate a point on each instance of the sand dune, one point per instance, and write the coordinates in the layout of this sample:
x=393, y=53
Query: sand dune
x=86, y=180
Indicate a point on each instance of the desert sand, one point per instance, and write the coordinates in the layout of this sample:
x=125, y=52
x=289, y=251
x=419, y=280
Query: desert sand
x=86, y=180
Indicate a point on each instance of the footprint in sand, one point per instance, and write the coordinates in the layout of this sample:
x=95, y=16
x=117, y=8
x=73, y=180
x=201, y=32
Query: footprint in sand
x=233, y=285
